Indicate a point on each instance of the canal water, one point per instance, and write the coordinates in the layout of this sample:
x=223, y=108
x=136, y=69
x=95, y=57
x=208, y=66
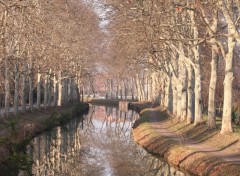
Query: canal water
x=99, y=144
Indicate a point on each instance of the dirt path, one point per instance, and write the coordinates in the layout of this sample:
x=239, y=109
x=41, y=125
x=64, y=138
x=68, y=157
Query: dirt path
x=154, y=133
x=224, y=154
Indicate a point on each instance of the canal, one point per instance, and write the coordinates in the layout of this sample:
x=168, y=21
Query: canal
x=98, y=144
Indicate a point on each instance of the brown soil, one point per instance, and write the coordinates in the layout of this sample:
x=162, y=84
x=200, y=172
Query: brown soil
x=196, y=150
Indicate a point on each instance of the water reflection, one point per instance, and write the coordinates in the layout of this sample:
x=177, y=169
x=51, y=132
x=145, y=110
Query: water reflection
x=99, y=145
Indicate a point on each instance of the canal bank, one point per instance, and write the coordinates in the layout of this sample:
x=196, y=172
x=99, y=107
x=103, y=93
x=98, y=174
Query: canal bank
x=16, y=132
x=195, y=150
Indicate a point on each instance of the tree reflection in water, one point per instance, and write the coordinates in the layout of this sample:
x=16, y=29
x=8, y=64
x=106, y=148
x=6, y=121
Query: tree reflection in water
x=99, y=145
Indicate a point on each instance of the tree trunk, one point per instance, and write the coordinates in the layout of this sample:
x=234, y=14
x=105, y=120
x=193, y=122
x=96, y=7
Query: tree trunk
x=15, y=102
x=31, y=86
x=76, y=96
x=69, y=91
x=7, y=88
x=117, y=91
x=23, y=102
x=198, y=98
x=170, y=95
x=49, y=97
x=133, y=88
x=65, y=91
x=111, y=88
x=166, y=89
x=153, y=87
x=184, y=93
x=142, y=85
x=212, y=90
x=197, y=71
x=82, y=92
x=228, y=80
x=6, y=63
x=55, y=93
x=179, y=96
x=59, y=103
x=137, y=89
x=106, y=90
x=175, y=97
x=167, y=96
x=121, y=90
x=190, y=95
x=125, y=89
x=162, y=94
x=38, y=89
x=45, y=91
x=147, y=88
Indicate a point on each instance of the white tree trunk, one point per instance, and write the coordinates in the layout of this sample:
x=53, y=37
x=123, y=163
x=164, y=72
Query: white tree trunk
x=133, y=88
x=23, y=101
x=138, y=84
x=184, y=93
x=6, y=63
x=167, y=96
x=7, y=88
x=111, y=88
x=175, y=97
x=137, y=89
x=69, y=90
x=143, y=89
x=212, y=89
x=166, y=89
x=197, y=70
x=162, y=92
x=154, y=88
x=228, y=81
x=198, y=97
x=179, y=94
x=38, y=88
x=60, y=93
x=74, y=89
x=117, y=91
x=31, y=86
x=190, y=95
x=49, y=89
x=125, y=89
x=151, y=86
x=45, y=91
x=76, y=94
x=64, y=91
x=106, y=90
x=55, y=93
x=16, y=81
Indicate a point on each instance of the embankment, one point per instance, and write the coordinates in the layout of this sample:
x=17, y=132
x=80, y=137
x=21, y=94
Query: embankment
x=106, y=102
x=154, y=132
x=16, y=132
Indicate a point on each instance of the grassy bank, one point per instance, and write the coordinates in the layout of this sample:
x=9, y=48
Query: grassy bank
x=196, y=150
x=16, y=132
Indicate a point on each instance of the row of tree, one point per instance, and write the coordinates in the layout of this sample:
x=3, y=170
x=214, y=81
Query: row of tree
x=46, y=49
x=175, y=41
